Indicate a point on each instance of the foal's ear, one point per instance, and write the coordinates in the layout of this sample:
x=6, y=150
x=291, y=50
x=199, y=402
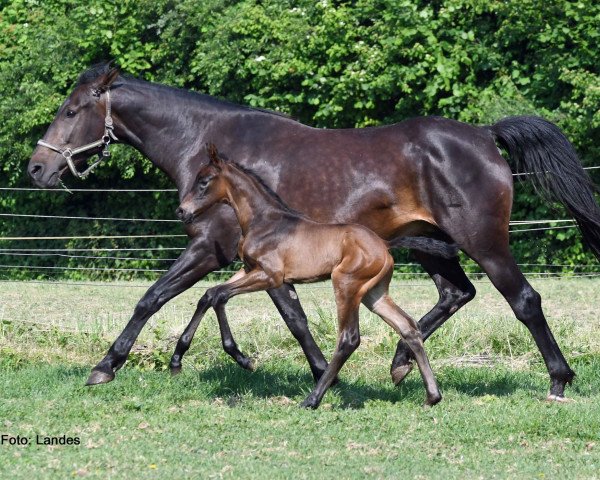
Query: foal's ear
x=213, y=156
x=104, y=81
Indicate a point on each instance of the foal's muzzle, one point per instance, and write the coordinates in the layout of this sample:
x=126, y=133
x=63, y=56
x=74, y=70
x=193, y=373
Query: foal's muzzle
x=184, y=215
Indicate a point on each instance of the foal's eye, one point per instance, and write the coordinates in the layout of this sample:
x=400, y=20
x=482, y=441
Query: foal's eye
x=71, y=113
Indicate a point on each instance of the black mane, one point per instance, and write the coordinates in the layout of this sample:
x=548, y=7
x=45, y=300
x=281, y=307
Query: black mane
x=100, y=69
x=93, y=73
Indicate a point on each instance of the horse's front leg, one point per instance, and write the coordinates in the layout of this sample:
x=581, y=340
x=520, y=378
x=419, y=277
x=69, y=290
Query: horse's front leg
x=202, y=255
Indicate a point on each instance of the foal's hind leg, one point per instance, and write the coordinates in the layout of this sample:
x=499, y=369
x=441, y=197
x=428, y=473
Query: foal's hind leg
x=381, y=304
x=348, y=340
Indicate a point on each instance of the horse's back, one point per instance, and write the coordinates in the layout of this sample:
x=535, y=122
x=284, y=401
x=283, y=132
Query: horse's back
x=396, y=179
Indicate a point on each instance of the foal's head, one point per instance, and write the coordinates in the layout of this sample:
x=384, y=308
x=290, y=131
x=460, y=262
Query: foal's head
x=209, y=188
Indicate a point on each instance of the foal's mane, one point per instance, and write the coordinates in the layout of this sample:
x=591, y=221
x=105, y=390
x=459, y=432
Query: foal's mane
x=216, y=157
x=100, y=69
x=284, y=206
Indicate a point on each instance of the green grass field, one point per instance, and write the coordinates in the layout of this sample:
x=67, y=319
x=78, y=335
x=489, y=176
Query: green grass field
x=218, y=421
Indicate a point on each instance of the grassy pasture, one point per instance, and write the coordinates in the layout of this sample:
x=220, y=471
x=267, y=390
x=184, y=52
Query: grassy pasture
x=218, y=421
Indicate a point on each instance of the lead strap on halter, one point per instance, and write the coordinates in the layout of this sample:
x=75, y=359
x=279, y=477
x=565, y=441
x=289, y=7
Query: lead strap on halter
x=104, y=142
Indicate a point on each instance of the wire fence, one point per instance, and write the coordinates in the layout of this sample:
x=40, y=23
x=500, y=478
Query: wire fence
x=87, y=258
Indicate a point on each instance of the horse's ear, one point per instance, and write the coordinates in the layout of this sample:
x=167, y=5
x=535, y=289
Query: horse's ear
x=111, y=76
x=213, y=156
x=104, y=81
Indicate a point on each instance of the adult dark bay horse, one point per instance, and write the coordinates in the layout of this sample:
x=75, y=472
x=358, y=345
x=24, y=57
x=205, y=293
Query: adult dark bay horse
x=425, y=176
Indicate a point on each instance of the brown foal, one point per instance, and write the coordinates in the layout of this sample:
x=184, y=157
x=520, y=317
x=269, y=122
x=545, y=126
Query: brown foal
x=280, y=245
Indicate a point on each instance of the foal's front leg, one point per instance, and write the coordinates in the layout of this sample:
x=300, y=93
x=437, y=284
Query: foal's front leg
x=186, y=338
x=227, y=340
x=217, y=297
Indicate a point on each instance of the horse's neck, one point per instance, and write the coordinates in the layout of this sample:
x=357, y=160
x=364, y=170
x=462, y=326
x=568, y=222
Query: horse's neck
x=168, y=129
x=250, y=200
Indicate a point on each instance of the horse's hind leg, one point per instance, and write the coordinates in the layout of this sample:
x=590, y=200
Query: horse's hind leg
x=379, y=302
x=455, y=290
x=526, y=303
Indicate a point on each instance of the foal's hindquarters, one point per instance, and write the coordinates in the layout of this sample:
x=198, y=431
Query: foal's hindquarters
x=364, y=275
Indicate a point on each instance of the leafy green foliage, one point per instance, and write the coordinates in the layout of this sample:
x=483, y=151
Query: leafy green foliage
x=327, y=63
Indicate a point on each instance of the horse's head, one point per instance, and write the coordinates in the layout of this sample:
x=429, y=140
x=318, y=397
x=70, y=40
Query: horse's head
x=210, y=187
x=82, y=121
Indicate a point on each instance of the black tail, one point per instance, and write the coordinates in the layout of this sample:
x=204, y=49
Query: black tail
x=438, y=248
x=540, y=147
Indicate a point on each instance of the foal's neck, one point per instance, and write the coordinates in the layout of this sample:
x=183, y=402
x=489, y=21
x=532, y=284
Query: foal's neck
x=250, y=199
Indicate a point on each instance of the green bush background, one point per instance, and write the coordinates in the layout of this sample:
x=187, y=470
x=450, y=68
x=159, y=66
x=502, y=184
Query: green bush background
x=326, y=63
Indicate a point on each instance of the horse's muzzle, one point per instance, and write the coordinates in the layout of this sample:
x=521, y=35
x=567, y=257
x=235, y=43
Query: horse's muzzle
x=41, y=177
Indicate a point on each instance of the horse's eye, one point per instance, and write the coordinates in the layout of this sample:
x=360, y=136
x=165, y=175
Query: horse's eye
x=71, y=113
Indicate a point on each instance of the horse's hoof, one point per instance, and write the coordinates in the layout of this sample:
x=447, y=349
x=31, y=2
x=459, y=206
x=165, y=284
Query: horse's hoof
x=98, y=377
x=310, y=402
x=400, y=373
x=248, y=364
x=433, y=400
x=558, y=398
x=175, y=369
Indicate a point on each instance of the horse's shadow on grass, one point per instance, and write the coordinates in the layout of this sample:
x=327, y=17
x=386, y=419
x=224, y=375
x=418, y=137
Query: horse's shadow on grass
x=228, y=381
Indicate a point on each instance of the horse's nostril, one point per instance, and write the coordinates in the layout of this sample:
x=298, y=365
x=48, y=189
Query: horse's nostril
x=179, y=212
x=36, y=170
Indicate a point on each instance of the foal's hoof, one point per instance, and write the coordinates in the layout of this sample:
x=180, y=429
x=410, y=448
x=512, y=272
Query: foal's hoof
x=310, y=402
x=100, y=376
x=175, y=369
x=400, y=373
x=433, y=400
x=558, y=398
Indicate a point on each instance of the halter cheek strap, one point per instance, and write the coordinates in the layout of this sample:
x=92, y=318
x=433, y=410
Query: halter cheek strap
x=104, y=142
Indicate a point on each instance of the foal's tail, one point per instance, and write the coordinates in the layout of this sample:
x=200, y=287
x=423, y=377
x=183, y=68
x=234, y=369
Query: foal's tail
x=438, y=248
x=540, y=148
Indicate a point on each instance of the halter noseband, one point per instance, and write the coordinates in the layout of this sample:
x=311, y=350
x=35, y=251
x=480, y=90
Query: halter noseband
x=104, y=142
